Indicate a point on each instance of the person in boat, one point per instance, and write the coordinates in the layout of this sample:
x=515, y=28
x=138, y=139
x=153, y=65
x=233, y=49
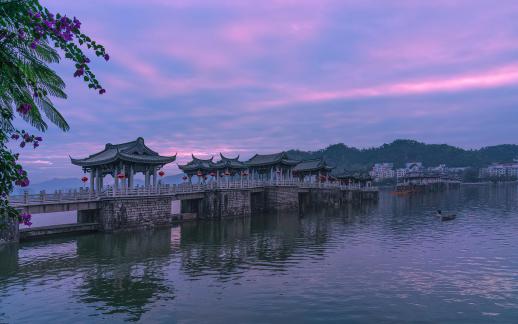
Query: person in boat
x=445, y=217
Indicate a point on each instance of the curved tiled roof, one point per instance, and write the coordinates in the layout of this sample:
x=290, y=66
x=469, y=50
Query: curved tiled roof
x=269, y=159
x=312, y=165
x=134, y=151
x=354, y=175
x=207, y=165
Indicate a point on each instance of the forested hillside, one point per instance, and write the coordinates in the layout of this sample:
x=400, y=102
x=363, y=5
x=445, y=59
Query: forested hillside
x=401, y=151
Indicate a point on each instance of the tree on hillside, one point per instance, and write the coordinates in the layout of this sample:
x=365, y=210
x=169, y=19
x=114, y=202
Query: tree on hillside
x=31, y=38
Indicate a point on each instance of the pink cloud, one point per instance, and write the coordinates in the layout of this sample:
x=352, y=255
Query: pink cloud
x=489, y=79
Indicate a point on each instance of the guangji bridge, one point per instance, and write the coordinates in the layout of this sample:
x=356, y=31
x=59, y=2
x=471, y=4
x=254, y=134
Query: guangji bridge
x=211, y=190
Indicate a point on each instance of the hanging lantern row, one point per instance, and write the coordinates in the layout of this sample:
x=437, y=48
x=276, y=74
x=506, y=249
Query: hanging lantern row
x=84, y=179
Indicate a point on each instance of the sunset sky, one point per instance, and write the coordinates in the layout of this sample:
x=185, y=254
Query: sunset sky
x=240, y=77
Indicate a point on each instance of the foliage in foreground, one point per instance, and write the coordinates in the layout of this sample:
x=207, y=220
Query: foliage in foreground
x=30, y=38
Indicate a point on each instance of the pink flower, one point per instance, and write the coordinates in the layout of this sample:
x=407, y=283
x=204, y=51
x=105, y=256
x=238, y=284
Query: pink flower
x=24, y=108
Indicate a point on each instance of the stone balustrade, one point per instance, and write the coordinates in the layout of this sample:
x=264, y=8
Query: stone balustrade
x=84, y=194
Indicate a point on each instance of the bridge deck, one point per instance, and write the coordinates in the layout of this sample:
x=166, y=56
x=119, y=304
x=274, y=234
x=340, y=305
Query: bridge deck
x=180, y=191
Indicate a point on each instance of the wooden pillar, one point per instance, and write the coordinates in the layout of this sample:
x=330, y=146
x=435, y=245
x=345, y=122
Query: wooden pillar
x=98, y=180
x=154, y=176
x=130, y=176
x=146, y=179
x=92, y=179
x=115, y=180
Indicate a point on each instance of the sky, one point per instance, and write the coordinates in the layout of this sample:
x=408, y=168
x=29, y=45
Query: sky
x=240, y=77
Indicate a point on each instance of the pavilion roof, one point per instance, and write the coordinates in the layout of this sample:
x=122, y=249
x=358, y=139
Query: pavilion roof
x=198, y=164
x=312, y=165
x=271, y=159
x=231, y=163
x=135, y=151
x=357, y=175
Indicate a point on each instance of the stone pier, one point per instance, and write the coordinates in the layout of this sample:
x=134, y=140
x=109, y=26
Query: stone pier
x=124, y=213
x=9, y=231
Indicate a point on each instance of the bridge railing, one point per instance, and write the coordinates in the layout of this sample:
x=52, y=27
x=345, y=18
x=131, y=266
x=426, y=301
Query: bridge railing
x=84, y=194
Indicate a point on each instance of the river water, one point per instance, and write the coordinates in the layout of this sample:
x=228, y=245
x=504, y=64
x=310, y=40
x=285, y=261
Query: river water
x=391, y=262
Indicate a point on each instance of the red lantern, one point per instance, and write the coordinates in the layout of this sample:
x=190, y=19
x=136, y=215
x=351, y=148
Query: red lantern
x=121, y=176
x=227, y=173
x=84, y=179
x=212, y=174
x=161, y=173
x=199, y=173
x=184, y=178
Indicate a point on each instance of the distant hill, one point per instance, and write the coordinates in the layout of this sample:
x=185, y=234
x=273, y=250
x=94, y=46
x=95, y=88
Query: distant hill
x=401, y=151
x=51, y=185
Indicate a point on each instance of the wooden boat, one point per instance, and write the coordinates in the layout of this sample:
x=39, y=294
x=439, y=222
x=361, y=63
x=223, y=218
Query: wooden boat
x=447, y=217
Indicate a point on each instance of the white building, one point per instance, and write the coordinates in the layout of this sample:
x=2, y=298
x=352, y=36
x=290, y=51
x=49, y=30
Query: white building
x=382, y=171
x=414, y=166
x=500, y=170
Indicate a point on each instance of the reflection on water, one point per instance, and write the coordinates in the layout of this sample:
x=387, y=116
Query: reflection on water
x=389, y=262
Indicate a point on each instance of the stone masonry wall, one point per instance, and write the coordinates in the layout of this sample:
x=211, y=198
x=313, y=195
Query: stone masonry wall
x=225, y=204
x=10, y=232
x=278, y=199
x=124, y=213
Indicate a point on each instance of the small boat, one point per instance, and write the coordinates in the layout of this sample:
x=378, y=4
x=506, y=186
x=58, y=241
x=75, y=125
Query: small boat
x=444, y=217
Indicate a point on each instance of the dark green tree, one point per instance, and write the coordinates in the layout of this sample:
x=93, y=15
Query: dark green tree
x=31, y=38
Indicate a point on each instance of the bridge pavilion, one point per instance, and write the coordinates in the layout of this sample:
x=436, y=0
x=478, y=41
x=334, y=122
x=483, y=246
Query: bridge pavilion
x=272, y=167
x=123, y=161
x=316, y=170
x=260, y=167
x=361, y=179
x=203, y=168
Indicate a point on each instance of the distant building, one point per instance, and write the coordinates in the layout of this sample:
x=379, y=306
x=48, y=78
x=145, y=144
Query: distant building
x=401, y=173
x=414, y=166
x=382, y=171
x=500, y=170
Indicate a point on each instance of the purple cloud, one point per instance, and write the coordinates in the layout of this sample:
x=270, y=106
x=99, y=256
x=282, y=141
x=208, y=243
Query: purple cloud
x=241, y=76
